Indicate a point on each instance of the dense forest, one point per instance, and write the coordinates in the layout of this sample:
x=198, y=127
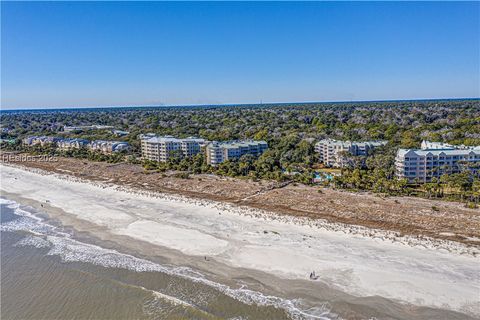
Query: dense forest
x=290, y=130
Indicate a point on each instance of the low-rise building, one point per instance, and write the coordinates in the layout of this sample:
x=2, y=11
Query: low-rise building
x=4, y=129
x=163, y=148
x=69, y=144
x=28, y=141
x=107, y=146
x=86, y=128
x=120, y=133
x=331, y=151
x=435, y=159
x=428, y=145
x=40, y=140
x=218, y=152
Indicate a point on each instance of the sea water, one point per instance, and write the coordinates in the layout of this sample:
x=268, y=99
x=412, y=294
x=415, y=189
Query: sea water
x=47, y=273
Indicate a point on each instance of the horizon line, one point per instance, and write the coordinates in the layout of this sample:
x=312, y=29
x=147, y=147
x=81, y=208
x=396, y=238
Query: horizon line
x=229, y=104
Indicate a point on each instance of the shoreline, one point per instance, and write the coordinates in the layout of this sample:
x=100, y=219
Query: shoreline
x=405, y=216
x=383, y=235
x=249, y=239
x=249, y=286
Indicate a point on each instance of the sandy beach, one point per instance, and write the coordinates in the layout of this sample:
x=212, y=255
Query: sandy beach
x=408, y=216
x=355, y=260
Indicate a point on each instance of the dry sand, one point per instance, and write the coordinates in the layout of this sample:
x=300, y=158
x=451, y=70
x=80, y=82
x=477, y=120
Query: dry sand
x=406, y=215
x=354, y=259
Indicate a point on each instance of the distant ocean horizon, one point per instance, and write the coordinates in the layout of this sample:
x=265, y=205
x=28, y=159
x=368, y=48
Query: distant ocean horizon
x=262, y=104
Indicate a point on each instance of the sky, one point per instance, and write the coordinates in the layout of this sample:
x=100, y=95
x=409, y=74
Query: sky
x=78, y=54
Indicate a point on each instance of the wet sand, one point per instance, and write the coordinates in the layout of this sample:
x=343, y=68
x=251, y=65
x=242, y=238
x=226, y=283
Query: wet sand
x=47, y=275
x=359, y=277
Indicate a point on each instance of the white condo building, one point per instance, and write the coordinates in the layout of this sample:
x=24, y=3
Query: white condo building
x=40, y=140
x=330, y=150
x=435, y=159
x=218, y=152
x=162, y=148
x=104, y=146
x=68, y=144
x=108, y=146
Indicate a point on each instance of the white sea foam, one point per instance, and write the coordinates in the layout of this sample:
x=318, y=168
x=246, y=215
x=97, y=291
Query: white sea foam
x=68, y=249
x=356, y=260
x=33, y=241
x=157, y=304
x=8, y=202
x=27, y=221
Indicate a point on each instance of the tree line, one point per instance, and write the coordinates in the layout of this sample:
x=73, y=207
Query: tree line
x=290, y=131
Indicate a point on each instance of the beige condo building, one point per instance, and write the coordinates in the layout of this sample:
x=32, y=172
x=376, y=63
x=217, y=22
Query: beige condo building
x=331, y=151
x=163, y=148
x=218, y=152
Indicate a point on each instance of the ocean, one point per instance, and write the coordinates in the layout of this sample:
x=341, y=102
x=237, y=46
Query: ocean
x=48, y=273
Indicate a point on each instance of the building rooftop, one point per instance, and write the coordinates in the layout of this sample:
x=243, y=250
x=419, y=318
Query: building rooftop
x=437, y=148
x=437, y=152
x=160, y=139
x=109, y=142
x=348, y=143
x=238, y=143
x=428, y=145
x=120, y=132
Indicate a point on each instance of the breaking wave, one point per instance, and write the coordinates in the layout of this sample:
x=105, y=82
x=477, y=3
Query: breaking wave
x=62, y=244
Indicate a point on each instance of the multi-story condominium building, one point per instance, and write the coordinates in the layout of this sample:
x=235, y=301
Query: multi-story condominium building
x=435, y=159
x=40, y=140
x=108, y=146
x=331, y=151
x=162, y=148
x=218, y=152
x=68, y=144
x=191, y=146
